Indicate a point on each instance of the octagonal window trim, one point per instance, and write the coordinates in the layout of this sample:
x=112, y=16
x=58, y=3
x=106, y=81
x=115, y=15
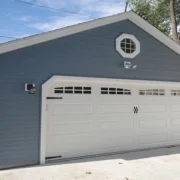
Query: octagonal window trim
x=134, y=48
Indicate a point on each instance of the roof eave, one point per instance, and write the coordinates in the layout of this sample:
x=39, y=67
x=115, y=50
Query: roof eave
x=40, y=38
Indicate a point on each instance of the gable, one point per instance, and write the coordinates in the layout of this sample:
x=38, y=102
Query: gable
x=93, y=53
x=32, y=40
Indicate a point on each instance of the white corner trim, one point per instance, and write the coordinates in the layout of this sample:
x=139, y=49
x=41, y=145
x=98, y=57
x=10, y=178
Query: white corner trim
x=57, y=79
x=121, y=52
x=43, y=126
x=24, y=42
x=44, y=91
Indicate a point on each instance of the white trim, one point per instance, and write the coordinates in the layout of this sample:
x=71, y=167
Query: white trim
x=121, y=52
x=56, y=79
x=43, y=121
x=10, y=46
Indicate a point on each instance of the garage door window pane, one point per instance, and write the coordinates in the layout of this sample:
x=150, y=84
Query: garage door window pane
x=87, y=90
x=175, y=92
x=115, y=91
x=112, y=92
x=77, y=92
x=69, y=90
x=72, y=90
x=152, y=92
x=59, y=90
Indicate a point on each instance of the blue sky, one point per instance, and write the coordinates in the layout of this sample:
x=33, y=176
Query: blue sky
x=20, y=20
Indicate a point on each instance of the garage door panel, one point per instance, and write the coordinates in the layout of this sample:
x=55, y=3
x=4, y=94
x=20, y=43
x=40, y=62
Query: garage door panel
x=116, y=139
x=58, y=109
x=74, y=139
x=116, y=117
x=117, y=125
x=115, y=108
x=113, y=140
x=153, y=123
x=110, y=135
x=153, y=108
x=71, y=144
x=175, y=108
x=175, y=136
x=71, y=118
x=71, y=128
x=175, y=122
x=153, y=139
x=151, y=131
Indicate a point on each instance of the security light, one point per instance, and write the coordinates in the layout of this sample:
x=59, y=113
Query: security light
x=129, y=65
x=30, y=88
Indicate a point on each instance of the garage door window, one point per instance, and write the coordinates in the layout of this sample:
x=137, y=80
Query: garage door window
x=72, y=90
x=112, y=90
x=175, y=92
x=152, y=92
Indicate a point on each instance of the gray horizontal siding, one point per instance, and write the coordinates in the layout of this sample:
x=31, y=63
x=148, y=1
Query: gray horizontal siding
x=92, y=54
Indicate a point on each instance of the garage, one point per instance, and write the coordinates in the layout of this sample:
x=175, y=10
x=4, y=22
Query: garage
x=87, y=116
x=105, y=86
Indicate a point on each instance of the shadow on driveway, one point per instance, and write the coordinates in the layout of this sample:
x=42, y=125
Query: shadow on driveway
x=128, y=156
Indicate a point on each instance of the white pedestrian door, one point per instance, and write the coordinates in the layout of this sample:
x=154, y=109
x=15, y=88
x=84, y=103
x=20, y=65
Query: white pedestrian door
x=94, y=116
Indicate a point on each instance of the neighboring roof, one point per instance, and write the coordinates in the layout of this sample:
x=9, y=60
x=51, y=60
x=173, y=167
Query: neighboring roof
x=140, y=22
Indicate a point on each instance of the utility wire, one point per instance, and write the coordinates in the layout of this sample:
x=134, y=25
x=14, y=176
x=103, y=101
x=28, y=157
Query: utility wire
x=8, y=37
x=47, y=7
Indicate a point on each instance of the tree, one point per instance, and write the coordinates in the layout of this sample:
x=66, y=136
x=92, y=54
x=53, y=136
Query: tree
x=173, y=21
x=157, y=13
x=126, y=5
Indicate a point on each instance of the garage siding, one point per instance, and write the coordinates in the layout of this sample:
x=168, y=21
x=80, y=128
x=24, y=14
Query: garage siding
x=90, y=54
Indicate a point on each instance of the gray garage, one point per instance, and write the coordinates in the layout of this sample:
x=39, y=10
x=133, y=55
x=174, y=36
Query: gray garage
x=104, y=86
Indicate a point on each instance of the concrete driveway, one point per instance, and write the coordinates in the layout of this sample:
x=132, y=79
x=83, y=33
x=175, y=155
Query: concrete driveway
x=157, y=164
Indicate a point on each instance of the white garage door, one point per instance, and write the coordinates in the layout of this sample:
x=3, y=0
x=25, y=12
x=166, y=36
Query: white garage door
x=94, y=116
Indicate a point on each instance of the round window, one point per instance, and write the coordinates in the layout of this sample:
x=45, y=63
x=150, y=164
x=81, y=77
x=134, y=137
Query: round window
x=127, y=45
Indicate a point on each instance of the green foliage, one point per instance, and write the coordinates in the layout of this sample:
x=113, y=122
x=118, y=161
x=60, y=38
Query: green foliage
x=177, y=9
x=156, y=12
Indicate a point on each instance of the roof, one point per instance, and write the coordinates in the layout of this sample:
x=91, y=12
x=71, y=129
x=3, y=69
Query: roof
x=133, y=17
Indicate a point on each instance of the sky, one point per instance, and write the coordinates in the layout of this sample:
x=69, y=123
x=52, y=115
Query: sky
x=19, y=20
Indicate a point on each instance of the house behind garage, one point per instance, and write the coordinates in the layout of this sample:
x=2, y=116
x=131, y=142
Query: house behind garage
x=104, y=86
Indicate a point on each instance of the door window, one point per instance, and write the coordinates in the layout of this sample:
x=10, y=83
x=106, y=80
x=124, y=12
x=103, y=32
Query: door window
x=72, y=90
x=115, y=91
x=175, y=92
x=152, y=92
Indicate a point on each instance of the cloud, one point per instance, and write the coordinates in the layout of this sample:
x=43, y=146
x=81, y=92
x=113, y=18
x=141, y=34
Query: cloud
x=27, y=18
x=82, y=10
x=58, y=23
